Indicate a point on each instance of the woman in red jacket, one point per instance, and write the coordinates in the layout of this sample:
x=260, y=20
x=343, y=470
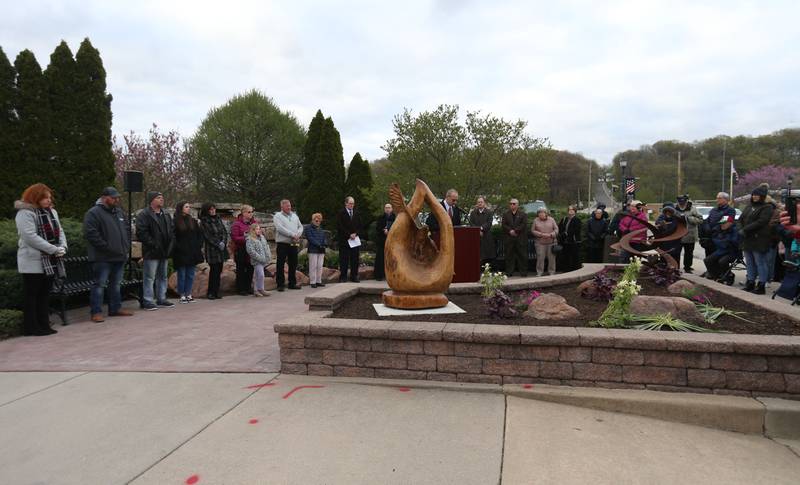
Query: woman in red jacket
x=635, y=219
x=239, y=230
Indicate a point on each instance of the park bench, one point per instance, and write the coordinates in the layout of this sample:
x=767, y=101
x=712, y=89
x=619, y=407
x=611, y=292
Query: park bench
x=79, y=281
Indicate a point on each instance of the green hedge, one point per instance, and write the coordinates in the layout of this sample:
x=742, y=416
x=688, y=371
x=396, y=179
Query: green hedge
x=9, y=238
x=10, y=289
x=10, y=323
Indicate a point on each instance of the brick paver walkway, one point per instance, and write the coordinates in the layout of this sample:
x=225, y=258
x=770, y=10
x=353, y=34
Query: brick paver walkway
x=229, y=335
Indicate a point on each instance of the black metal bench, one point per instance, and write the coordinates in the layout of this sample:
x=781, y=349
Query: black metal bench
x=500, y=259
x=79, y=281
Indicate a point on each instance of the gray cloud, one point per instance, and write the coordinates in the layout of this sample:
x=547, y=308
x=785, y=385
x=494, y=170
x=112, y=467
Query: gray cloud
x=594, y=77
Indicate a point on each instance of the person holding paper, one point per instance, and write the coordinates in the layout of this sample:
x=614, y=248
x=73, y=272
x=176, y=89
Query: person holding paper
x=348, y=225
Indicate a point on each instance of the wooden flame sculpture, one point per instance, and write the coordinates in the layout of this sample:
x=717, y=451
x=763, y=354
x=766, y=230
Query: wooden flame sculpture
x=652, y=243
x=418, y=272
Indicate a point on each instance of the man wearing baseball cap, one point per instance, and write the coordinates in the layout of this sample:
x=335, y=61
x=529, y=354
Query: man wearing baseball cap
x=154, y=228
x=107, y=233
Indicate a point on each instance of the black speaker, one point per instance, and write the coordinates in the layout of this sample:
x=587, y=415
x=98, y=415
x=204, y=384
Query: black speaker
x=133, y=181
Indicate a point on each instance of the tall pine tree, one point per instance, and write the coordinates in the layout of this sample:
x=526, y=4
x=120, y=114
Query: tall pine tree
x=61, y=78
x=95, y=164
x=33, y=129
x=325, y=193
x=359, y=186
x=8, y=136
x=309, y=159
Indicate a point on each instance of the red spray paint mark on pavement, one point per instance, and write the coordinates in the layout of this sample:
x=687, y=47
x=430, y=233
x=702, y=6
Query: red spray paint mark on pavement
x=286, y=396
x=192, y=480
x=527, y=386
x=259, y=386
x=253, y=421
x=403, y=389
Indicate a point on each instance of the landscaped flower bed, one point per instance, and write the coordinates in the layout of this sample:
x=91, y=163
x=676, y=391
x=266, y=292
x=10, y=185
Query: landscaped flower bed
x=348, y=339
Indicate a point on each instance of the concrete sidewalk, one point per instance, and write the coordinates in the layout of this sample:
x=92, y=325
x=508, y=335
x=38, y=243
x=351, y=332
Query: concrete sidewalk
x=148, y=428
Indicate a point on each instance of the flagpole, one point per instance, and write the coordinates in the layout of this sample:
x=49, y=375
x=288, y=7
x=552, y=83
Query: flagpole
x=731, y=191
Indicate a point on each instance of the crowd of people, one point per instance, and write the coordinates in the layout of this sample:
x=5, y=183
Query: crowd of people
x=762, y=232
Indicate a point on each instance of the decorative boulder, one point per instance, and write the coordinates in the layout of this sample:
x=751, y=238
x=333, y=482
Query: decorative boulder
x=587, y=289
x=227, y=280
x=549, y=306
x=657, y=305
x=302, y=279
x=366, y=273
x=330, y=275
x=680, y=286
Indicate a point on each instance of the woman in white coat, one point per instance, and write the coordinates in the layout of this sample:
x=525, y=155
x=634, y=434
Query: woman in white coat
x=42, y=244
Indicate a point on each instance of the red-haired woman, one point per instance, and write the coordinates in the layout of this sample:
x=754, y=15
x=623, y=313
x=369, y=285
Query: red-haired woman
x=42, y=244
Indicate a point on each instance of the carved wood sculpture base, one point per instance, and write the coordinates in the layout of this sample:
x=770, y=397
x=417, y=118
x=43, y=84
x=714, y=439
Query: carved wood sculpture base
x=413, y=301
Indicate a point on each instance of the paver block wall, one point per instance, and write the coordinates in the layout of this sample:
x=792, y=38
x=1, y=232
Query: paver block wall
x=748, y=365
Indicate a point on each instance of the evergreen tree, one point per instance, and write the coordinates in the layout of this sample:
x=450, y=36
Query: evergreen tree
x=61, y=78
x=8, y=141
x=325, y=193
x=33, y=129
x=359, y=186
x=309, y=158
x=94, y=167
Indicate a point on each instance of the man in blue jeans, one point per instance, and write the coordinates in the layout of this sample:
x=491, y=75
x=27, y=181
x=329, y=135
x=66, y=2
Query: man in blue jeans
x=107, y=232
x=154, y=228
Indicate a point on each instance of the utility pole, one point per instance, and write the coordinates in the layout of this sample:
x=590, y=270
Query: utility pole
x=679, y=173
x=724, y=145
x=589, y=194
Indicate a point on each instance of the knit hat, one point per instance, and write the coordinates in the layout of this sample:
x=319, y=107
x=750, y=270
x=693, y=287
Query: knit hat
x=152, y=195
x=761, y=190
x=682, y=199
x=668, y=206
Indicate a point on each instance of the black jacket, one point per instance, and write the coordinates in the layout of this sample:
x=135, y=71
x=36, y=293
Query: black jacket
x=384, y=222
x=346, y=225
x=569, y=230
x=754, y=222
x=107, y=233
x=433, y=224
x=596, y=230
x=188, y=243
x=214, y=233
x=156, y=234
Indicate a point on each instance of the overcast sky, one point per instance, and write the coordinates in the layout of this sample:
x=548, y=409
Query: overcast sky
x=593, y=77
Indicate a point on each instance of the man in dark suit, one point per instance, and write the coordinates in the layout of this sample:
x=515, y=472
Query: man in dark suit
x=449, y=203
x=348, y=226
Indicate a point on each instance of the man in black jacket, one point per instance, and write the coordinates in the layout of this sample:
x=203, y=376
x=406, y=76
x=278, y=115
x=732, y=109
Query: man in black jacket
x=155, y=230
x=348, y=226
x=107, y=233
x=449, y=203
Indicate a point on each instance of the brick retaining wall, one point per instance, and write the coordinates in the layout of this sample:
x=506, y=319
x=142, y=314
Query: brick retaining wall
x=748, y=365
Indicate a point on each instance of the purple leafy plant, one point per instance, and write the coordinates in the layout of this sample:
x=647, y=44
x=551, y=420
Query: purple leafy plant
x=663, y=275
x=500, y=305
x=602, y=288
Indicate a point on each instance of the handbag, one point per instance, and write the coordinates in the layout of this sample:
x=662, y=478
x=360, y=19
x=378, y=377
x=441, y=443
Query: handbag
x=557, y=248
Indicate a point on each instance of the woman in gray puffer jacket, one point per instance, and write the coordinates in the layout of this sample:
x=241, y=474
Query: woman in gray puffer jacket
x=42, y=244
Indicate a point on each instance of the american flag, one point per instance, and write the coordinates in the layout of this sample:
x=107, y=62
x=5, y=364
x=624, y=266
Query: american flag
x=630, y=185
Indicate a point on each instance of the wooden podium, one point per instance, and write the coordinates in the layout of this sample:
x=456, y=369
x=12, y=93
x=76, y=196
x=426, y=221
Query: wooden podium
x=467, y=264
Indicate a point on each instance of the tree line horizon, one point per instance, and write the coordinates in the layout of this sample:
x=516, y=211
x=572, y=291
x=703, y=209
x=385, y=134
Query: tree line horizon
x=55, y=127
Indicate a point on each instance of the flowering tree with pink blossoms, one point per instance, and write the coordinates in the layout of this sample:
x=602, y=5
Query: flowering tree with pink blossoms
x=162, y=157
x=775, y=176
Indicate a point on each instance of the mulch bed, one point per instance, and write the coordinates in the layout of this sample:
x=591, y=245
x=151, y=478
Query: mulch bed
x=763, y=321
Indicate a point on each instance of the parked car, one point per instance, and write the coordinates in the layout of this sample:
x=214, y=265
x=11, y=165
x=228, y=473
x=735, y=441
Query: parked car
x=704, y=210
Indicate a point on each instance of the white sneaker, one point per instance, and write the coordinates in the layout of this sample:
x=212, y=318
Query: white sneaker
x=183, y=300
x=190, y=299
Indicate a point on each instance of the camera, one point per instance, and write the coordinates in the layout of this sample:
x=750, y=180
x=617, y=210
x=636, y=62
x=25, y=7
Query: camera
x=790, y=200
